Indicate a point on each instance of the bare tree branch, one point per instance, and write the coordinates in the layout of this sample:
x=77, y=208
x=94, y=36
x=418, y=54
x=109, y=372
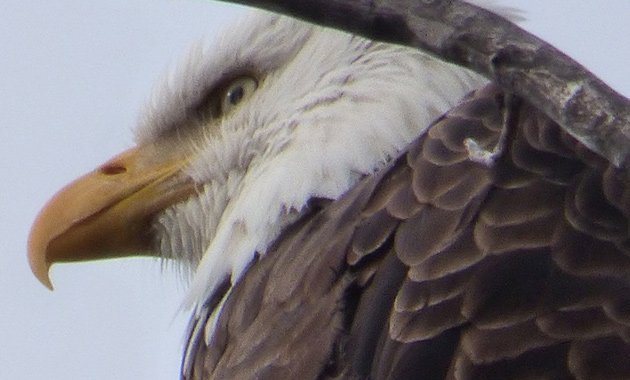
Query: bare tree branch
x=487, y=43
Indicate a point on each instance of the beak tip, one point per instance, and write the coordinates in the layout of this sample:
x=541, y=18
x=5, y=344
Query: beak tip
x=46, y=282
x=45, y=279
x=40, y=269
x=37, y=260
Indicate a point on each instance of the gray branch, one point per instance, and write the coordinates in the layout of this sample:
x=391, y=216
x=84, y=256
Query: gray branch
x=487, y=43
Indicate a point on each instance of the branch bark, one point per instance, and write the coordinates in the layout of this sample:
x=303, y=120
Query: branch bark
x=489, y=44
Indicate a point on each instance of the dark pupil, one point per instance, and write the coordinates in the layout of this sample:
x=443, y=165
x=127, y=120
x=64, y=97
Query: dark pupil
x=235, y=95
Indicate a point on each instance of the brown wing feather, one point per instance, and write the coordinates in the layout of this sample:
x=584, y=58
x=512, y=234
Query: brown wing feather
x=444, y=268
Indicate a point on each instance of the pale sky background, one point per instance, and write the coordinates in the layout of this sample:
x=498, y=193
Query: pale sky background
x=73, y=76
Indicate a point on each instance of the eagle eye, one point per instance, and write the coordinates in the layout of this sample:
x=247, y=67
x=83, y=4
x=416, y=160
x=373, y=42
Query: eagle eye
x=236, y=92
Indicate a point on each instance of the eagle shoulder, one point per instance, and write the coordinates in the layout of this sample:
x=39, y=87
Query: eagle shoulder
x=443, y=266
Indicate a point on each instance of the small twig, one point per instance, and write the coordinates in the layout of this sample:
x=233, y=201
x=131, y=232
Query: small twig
x=489, y=157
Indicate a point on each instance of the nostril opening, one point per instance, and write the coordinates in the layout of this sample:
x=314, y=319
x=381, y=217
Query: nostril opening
x=113, y=169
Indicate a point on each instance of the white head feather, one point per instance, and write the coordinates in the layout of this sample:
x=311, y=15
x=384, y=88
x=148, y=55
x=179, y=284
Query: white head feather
x=329, y=109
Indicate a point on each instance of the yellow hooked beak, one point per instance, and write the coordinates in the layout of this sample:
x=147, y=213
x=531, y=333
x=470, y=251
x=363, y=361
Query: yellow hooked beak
x=108, y=212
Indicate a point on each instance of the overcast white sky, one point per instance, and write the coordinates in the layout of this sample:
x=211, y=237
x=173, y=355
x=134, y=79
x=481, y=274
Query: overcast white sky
x=73, y=76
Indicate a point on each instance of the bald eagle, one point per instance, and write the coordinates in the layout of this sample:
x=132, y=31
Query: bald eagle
x=354, y=209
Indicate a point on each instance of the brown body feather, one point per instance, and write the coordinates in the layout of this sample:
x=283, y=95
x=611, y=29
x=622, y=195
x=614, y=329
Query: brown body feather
x=440, y=267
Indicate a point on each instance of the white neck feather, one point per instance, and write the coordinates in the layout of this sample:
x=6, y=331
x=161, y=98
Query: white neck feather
x=330, y=109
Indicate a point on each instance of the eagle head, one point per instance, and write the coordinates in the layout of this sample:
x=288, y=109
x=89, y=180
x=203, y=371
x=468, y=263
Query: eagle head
x=232, y=146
